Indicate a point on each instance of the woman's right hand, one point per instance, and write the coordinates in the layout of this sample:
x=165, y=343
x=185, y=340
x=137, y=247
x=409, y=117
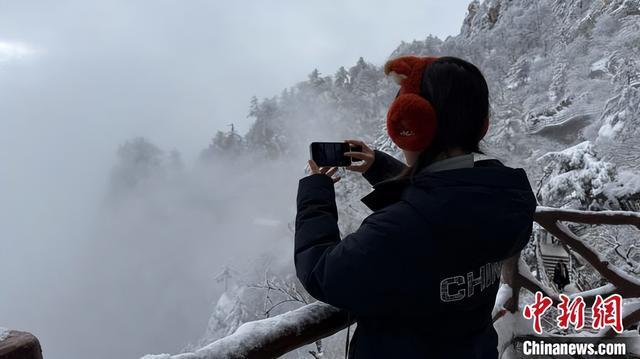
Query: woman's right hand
x=367, y=156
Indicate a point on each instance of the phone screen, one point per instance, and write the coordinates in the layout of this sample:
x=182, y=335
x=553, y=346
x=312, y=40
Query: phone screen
x=331, y=154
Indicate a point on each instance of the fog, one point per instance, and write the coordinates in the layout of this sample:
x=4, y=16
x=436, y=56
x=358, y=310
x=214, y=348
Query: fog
x=78, y=78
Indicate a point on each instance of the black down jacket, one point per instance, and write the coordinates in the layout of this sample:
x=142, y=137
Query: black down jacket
x=421, y=273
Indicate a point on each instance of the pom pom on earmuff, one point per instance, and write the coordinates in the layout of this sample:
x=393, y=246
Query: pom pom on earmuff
x=407, y=71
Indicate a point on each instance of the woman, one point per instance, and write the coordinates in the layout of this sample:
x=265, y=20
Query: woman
x=421, y=273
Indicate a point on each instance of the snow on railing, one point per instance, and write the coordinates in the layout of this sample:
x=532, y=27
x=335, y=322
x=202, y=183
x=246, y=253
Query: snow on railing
x=273, y=337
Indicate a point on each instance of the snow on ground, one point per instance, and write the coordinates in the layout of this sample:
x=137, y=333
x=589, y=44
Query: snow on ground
x=600, y=65
x=553, y=250
x=612, y=125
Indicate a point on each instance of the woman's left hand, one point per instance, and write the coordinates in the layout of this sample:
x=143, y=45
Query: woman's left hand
x=329, y=171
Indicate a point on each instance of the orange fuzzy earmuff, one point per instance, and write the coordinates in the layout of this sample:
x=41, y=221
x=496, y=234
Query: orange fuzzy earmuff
x=411, y=120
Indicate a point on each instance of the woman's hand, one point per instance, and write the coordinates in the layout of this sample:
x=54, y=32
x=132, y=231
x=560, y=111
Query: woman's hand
x=329, y=171
x=367, y=156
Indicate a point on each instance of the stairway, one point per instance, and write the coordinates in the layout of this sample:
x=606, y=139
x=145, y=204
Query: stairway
x=551, y=255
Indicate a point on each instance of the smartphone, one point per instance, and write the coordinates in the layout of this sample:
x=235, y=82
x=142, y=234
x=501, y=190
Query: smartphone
x=331, y=154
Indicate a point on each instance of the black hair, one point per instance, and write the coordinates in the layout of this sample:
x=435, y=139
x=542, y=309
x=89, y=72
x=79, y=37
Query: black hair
x=459, y=94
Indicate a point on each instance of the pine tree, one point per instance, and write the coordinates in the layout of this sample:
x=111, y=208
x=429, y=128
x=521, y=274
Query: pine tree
x=574, y=177
x=138, y=161
x=254, y=107
x=342, y=79
x=354, y=71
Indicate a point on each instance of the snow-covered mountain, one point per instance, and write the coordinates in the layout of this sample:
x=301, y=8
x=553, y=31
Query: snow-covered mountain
x=560, y=73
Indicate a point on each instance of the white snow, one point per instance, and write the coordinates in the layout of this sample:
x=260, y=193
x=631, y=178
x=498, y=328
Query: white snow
x=504, y=293
x=4, y=333
x=571, y=289
x=600, y=65
x=523, y=269
x=254, y=334
x=576, y=175
x=565, y=116
x=630, y=306
x=541, y=209
x=607, y=288
x=607, y=131
x=628, y=183
x=553, y=250
x=623, y=274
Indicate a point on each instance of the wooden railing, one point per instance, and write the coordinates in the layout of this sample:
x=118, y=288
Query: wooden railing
x=272, y=337
x=619, y=281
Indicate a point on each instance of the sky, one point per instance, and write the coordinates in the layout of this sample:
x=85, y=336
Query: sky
x=177, y=71
x=78, y=78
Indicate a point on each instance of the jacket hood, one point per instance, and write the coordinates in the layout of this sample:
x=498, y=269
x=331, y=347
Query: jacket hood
x=486, y=175
x=492, y=204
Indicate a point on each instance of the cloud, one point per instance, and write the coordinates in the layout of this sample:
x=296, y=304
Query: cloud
x=14, y=51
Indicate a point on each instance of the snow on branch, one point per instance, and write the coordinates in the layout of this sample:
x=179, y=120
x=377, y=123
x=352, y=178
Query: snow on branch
x=272, y=337
x=547, y=214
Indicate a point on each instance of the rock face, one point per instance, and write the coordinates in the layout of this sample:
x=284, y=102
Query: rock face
x=20, y=345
